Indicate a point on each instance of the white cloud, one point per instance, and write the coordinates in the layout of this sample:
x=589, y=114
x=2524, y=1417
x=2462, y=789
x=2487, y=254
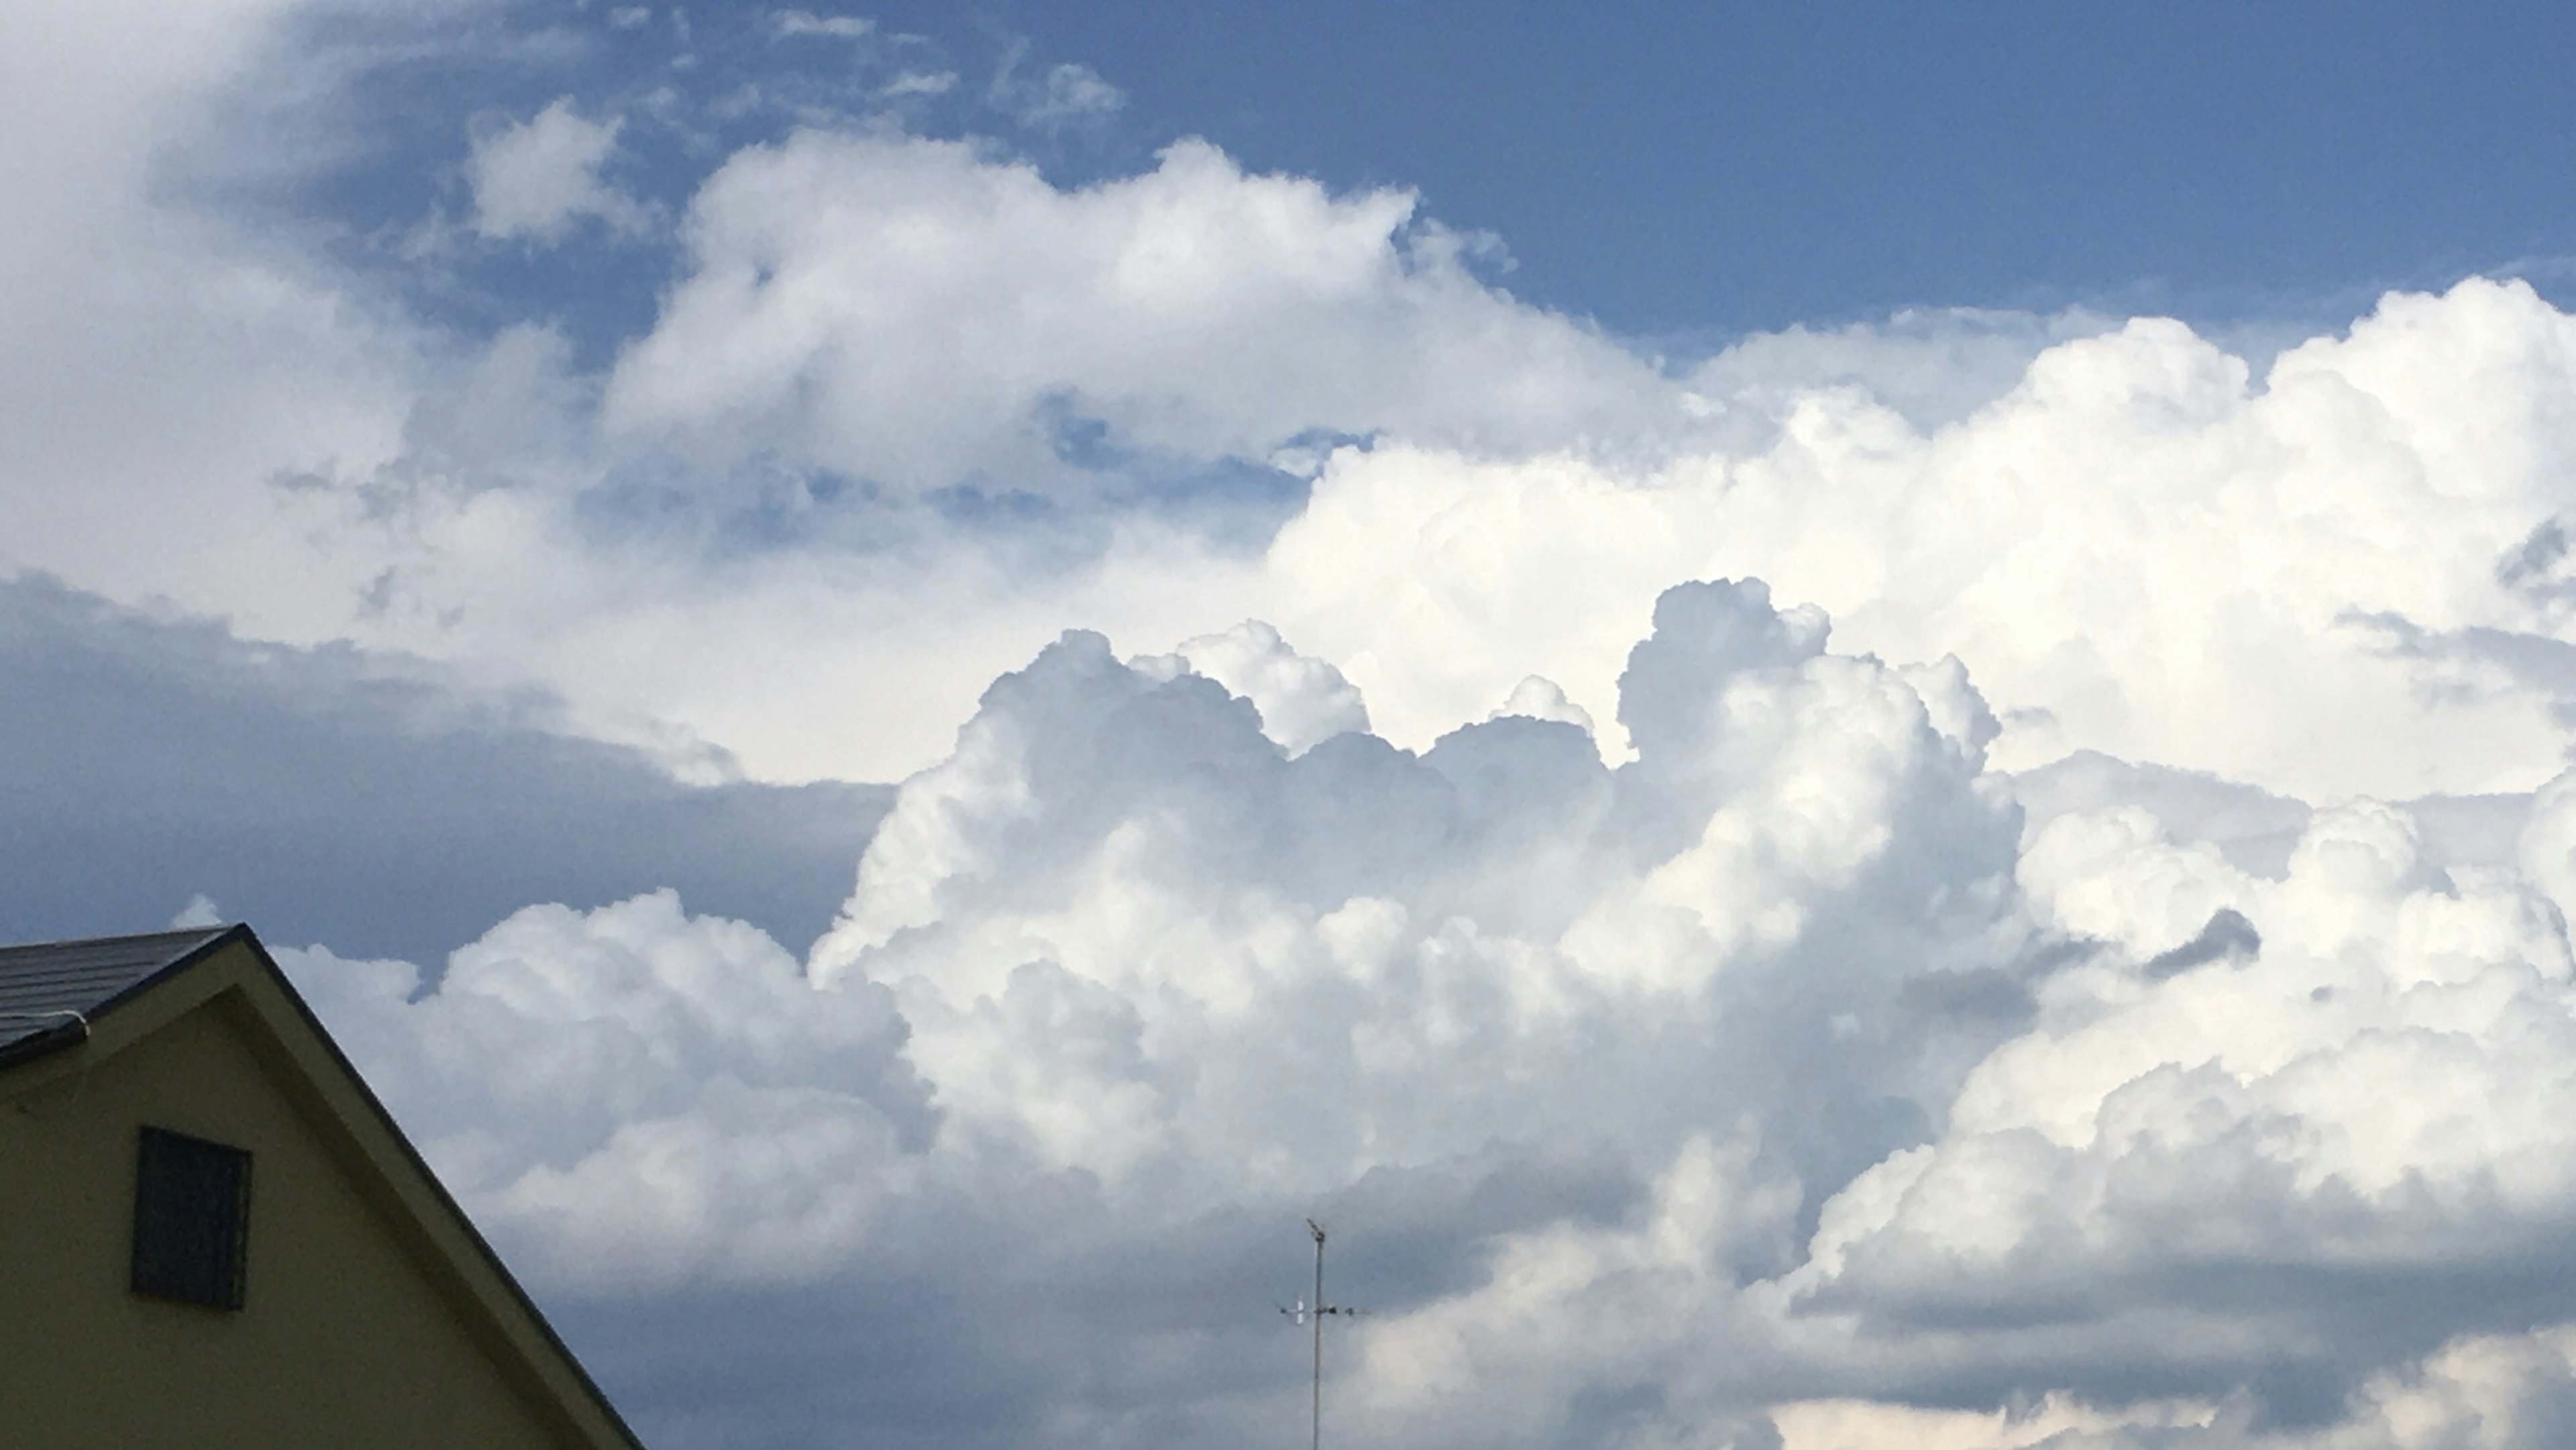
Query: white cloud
x=1539, y=698
x=1933, y=365
x=2055, y=1421
x=2137, y=547
x=1137, y=946
x=1096, y=968
x=787, y=24
x=1303, y=700
x=159, y=367
x=2480, y=1392
x=672, y=1073
x=200, y=911
x=2365, y=1107
x=535, y=180
x=1888, y=1107
x=2137, y=550
x=920, y=313
x=1068, y=92
x=919, y=83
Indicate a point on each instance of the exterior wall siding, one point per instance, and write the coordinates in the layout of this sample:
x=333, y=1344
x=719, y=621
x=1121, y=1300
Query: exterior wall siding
x=348, y=1336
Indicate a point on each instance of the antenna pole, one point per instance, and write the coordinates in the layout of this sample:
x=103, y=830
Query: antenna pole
x=1318, y=1308
x=1319, y=1332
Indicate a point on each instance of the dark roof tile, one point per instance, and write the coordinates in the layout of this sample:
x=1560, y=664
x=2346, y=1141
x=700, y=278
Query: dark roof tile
x=56, y=985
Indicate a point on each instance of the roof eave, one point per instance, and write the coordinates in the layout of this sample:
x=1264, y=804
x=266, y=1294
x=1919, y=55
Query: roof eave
x=44, y=1044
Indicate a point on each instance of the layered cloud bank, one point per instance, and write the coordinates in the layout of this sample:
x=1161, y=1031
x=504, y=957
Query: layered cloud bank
x=2138, y=549
x=1764, y=1085
x=2141, y=544
x=909, y=408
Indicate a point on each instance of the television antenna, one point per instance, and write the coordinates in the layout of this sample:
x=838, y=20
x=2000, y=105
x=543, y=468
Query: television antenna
x=1303, y=1312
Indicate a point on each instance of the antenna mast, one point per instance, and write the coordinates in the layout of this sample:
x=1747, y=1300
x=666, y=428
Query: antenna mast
x=1318, y=1309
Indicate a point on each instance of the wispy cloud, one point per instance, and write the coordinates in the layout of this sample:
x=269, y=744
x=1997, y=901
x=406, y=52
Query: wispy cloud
x=791, y=24
x=1068, y=93
x=920, y=83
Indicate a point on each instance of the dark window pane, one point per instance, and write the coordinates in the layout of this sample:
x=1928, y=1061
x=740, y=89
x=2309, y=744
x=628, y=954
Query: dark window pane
x=191, y=1219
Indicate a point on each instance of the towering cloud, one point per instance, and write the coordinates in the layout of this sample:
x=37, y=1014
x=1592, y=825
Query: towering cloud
x=1766, y=1072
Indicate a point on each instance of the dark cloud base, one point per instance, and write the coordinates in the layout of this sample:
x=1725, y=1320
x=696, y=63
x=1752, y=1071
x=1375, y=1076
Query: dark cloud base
x=144, y=761
x=1049, y=1321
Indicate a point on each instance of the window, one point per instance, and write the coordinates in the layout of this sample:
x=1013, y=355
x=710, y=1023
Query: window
x=191, y=1219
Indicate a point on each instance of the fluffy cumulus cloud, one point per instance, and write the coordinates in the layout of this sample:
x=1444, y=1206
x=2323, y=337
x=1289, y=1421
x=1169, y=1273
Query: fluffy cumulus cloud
x=1782, y=1084
x=1303, y=700
x=673, y=1072
x=917, y=312
x=533, y=181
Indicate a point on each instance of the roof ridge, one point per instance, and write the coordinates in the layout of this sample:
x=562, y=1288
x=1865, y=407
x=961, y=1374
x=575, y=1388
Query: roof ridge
x=90, y=941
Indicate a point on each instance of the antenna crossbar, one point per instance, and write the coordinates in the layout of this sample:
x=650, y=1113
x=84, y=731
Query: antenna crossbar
x=1312, y=1312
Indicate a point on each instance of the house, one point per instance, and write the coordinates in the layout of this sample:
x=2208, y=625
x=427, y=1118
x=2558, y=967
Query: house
x=211, y=1233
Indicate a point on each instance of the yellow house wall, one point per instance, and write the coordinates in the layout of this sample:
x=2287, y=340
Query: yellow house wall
x=347, y=1338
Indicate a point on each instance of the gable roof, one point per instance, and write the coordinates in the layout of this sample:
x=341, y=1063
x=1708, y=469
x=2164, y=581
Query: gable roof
x=49, y=991
x=106, y=994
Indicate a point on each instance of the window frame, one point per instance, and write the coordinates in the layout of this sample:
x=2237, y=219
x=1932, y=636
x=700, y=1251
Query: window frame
x=191, y=1232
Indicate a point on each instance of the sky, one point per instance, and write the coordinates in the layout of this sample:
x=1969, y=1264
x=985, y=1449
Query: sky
x=1845, y=727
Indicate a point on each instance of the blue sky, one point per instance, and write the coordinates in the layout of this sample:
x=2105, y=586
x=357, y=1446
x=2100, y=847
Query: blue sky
x=1847, y=725
x=1691, y=173
x=1729, y=168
